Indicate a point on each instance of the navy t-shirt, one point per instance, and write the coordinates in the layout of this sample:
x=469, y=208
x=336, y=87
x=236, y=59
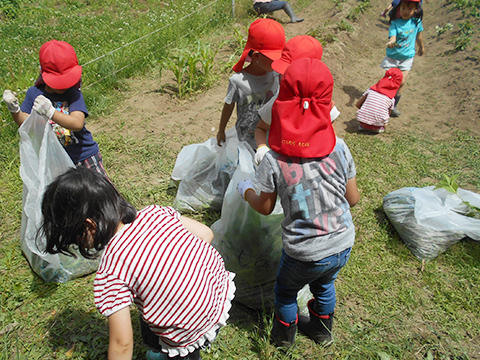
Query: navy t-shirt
x=81, y=146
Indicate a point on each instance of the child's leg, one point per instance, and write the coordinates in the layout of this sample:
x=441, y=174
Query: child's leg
x=321, y=308
x=95, y=163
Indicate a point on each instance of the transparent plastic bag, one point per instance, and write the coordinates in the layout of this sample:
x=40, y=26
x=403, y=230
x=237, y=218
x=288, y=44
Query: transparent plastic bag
x=250, y=243
x=430, y=221
x=42, y=158
x=204, y=171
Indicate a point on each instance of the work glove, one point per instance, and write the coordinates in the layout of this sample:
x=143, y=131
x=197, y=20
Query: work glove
x=11, y=100
x=334, y=113
x=43, y=106
x=261, y=151
x=243, y=186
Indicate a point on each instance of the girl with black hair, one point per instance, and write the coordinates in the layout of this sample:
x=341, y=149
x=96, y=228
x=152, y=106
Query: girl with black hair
x=156, y=258
x=404, y=33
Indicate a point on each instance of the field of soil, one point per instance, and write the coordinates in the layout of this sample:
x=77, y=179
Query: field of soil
x=442, y=93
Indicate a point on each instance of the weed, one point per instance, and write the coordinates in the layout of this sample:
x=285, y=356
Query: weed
x=461, y=42
x=439, y=30
x=355, y=13
x=344, y=25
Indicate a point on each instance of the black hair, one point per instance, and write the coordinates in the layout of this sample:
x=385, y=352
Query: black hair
x=395, y=12
x=72, y=198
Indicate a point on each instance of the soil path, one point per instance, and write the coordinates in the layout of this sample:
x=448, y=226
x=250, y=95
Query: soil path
x=442, y=93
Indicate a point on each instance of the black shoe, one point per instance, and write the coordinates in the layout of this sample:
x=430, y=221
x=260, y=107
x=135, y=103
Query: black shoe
x=283, y=335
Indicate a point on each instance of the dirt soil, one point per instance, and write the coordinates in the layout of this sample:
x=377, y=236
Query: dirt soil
x=442, y=93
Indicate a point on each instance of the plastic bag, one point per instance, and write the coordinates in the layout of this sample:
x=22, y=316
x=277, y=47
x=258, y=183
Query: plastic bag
x=430, y=221
x=42, y=158
x=250, y=243
x=204, y=171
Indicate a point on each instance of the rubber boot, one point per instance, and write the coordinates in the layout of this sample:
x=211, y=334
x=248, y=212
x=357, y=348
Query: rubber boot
x=395, y=112
x=317, y=327
x=152, y=355
x=289, y=10
x=283, y=334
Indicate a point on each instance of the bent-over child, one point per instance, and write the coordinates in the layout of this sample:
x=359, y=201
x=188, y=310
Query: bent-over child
x=250, y=87
x=154, y=258
x=57, y=96
x=405, y=31
x=314, y=175
x=378, y=101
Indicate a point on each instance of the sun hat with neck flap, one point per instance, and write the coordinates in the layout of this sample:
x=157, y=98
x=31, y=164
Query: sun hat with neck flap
x=266, y=36
x=389, y=84
x=298, y=47
x=59, y=65
x=301, y=124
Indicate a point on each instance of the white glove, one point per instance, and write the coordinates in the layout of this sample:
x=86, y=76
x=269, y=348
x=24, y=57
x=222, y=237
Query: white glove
x=11, y=100
x=243, y=186
x=334, y=113
x=43, y=106
x=261, y=151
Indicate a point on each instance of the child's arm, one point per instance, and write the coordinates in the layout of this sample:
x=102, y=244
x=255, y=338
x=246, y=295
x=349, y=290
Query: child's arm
x=11, y=100
x=360, y=101
x=226, y=114
x=120, y=345
x=197, y=228
x=420, y=44
x=74, y=121
x=264, y=204
x=392, y=40
x=261, y=140
x=352, y=195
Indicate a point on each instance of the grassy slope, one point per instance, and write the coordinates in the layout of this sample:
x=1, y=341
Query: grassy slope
x=387, y=307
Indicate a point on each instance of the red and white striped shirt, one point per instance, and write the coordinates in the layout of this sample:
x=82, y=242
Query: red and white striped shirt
x=178, y=281
x=374, y=110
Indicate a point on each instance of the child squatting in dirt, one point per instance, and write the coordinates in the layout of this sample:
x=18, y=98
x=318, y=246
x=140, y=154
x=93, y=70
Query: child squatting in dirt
x=314, y=175
x=155, y=258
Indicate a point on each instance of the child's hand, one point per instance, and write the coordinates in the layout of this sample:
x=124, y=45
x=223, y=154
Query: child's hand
x=43, y=106
x=221, y=138
x=392, y=44
x=421, y=51
x=11, y=100
x=260, y=154
x=243, y=186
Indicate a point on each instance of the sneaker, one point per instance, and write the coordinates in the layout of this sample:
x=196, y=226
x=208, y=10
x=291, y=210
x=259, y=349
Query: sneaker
x=371, y=128
x=395, y=113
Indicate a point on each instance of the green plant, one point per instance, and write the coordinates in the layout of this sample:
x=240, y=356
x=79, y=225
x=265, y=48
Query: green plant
x=355, y=13
x=450, y=184
x=461, y=42
x=439, y=30
x=344, y=25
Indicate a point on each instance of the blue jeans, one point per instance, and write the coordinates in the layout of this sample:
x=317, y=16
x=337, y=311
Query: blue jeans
x=293, y=275
x=265, y=8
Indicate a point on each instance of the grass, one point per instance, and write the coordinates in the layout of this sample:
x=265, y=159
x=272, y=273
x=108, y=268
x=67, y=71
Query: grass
x=387, y=308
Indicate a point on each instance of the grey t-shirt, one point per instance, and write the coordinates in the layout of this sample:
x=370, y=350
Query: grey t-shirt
x=249, y=92
x=318, y=222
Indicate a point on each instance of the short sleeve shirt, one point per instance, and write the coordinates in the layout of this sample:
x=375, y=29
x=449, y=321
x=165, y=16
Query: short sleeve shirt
x=312, y=191
x=406, y=32
x=81, y=145
x=249, y=92
x=375, y=108
x=178, y=281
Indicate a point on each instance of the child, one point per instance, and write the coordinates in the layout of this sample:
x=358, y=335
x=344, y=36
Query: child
x=57, y=96
x=405, y=31
x=314, y=175
x=268, y=6
x=376, y=103
x=250, y=87
x=154, y=258
x=302, y=46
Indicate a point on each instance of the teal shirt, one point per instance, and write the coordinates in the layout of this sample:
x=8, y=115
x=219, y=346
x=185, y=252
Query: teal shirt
x=406, y=32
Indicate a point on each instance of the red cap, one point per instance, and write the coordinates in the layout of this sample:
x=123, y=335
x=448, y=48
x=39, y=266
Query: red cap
x=298, y=47
x=59, y=65
x=301, y=124
x=265, y=36
x=390, y=83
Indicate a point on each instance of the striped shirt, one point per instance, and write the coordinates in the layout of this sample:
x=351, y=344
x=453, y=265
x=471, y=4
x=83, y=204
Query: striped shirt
x=178, y=281
x=374, y=110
